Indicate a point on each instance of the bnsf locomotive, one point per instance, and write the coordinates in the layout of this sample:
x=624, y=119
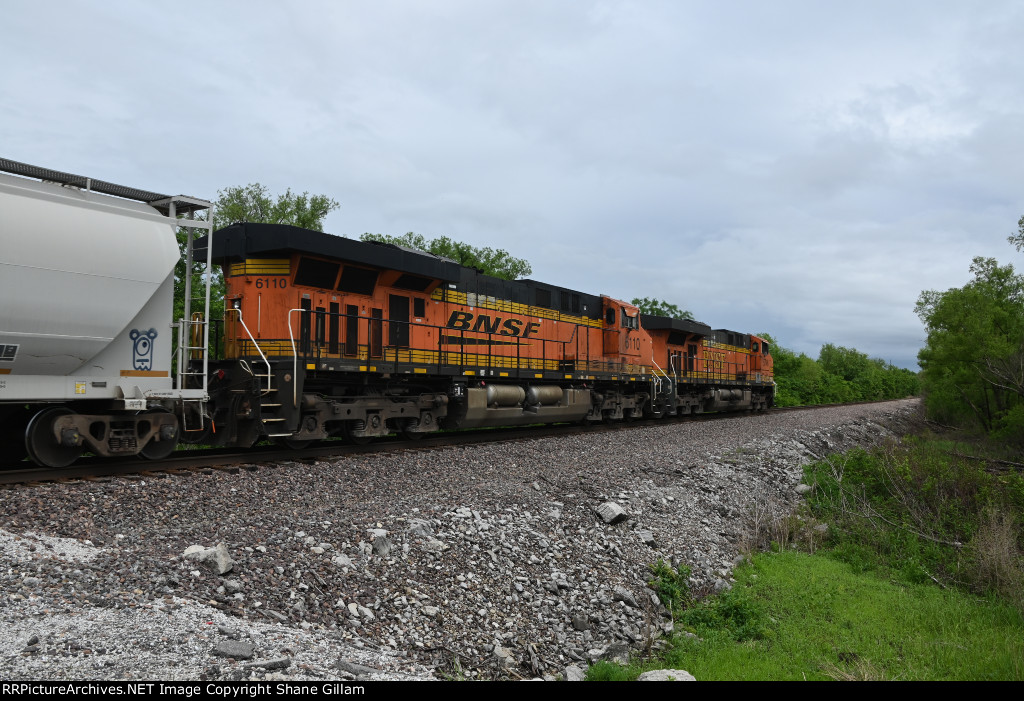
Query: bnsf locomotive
x=325, y=336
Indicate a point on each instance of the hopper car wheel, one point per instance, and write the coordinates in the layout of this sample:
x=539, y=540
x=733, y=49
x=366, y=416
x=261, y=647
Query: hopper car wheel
x=159, y=450
x=14, y=447
x=12, y=437
x=346, y=431
x=40, y=443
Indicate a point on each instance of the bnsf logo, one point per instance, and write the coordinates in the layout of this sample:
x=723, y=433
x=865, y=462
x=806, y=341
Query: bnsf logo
x=463, y=321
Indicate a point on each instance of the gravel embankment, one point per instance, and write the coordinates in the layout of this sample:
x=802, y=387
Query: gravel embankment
x=488, y=561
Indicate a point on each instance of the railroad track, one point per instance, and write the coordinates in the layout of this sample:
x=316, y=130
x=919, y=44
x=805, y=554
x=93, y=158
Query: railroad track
x=210, y=460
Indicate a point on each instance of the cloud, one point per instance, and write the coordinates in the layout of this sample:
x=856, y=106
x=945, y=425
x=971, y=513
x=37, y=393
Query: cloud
x=795, y=167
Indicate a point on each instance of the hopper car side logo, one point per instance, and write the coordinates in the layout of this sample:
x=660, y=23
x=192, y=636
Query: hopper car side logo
x=463, y=321
x=142, y=350
x=8, y=353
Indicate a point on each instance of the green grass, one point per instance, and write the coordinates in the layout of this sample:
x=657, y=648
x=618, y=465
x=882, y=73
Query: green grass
x=798, y=616
x=918, y=575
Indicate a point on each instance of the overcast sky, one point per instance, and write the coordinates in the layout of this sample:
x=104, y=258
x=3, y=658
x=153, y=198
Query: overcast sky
x=801, y=168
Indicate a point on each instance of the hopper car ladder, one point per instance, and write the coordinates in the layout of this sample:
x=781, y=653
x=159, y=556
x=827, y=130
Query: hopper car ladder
x=193, y=327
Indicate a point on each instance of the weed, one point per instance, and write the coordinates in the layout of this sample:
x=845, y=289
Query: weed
x=859, y=671
x=735, y=612
x=998, y=564
x=900, y=519
x=671, y=586
x=914, y=505
x=811, y=617
x=603, y=671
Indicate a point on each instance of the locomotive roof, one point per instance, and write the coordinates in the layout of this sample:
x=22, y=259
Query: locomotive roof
x=733, y=338
x=244, y=240
x=664, y=323
x=247, y=240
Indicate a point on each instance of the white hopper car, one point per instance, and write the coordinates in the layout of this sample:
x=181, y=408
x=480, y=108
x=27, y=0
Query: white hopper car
x=86, y=298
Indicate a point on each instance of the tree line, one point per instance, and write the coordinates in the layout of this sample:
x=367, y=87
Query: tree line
x=838, y=375
x=972, y=364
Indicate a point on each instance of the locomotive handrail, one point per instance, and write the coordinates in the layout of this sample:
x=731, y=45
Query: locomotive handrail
x=254, y=344
x=295, y=357
x=480, y=338
x=459, y=355
x=658, y=379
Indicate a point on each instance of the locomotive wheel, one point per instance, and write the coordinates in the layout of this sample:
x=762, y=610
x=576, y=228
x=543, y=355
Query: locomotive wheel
x=411, y=435
x=159, y=450
x=293, y=443
x=346, y=431
x=405, y=432
x=42, y=447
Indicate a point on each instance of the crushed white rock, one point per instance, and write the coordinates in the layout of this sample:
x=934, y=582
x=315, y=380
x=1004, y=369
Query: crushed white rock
x=473, y=562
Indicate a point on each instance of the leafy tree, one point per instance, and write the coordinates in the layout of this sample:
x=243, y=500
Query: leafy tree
x=847, y=363
x=490, y=261
x=797, y=377
x=253, y=203
x=1018, y=239
x=657, y=307
x=249, y=203
x=973, y=360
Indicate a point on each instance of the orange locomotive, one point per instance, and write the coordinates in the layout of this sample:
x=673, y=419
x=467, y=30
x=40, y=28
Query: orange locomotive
x=325, y=335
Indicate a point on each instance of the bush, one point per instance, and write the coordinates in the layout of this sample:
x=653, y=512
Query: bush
x=734, y=612
x=926, y=511
x=996, y=558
